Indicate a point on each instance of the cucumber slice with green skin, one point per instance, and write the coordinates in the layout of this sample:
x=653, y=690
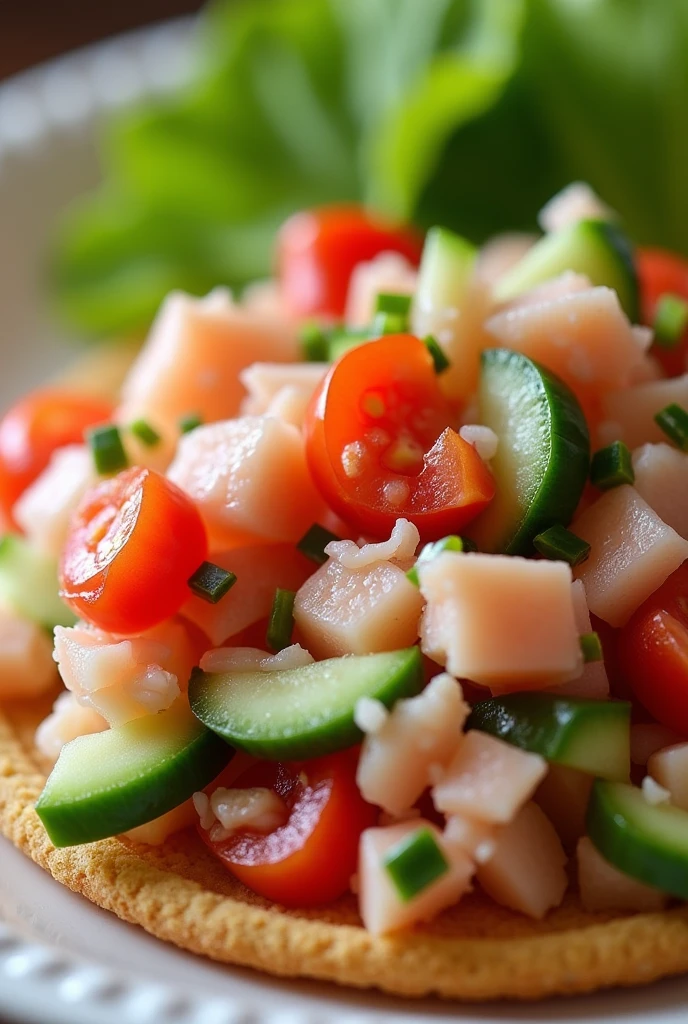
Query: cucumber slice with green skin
x=647, y=842
x=596, y=248
x=446, y=268
x=28, y=583
x=110, y=782
x=542, y=462
x=295, y=714
x=590, y=735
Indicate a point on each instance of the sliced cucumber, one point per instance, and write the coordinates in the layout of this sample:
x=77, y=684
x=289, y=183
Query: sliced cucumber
x=445, y=269
x=648, y=842
x=590, y=735
x=298, y=713
x=596, y=248
x=28, y=583
x=110, y=782
x=543, y=458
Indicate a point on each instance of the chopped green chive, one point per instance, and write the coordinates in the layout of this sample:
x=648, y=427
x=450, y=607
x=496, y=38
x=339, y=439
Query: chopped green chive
x=674, y=422
x=342, y=340
x=612, y=466
x=389, y=323
x=314, y=542
x=415, y=863
x=435, y=548
x=211, y=582
x=388, y=302
x=438, y=354
x=315, y=345
x=145, y=433
x=591, y=647
x=671, y=319
x=107, y=449
x=189, y=423
x=561, y=545
x=281, y=624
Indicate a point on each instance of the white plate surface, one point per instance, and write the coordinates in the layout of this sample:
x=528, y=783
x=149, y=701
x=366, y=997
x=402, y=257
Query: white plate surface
x=62, y=960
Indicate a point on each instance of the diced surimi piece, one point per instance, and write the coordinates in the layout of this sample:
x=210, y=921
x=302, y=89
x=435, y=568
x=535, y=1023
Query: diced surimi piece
x=500, y=254
x=488, y=780
x=265, y=297
x=259, y=570
x=191, y=360
x=648, y=369
x=44, y=509
x=154, y=833
x=66, y=721
x=661, y=478
x=418, y=736
x=120, y=679
x=387, y=272
x=382, y=908
x=647, y=738
x=575, y=202
x=632, y=553
x=357, y=611
x=26, y=657
x=527, y=870
x=563, y=795
x=584, y=337
x=476, y=838
x=604, y=887
x=593, y=683
x=500, y=621
x=669, y=767
x=568, y=283
x=265, y=382
x=248, y=474
x=400, y=547
x=628, y=415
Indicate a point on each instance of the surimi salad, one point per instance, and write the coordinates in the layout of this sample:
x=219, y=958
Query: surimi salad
x=376, y=577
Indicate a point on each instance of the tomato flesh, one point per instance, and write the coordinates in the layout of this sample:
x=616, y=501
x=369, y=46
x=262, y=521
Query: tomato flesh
x=661, y=272
x=309, y=861
x=133, y=543
x=380, y=446
x=318, y=250
x=653, y=652
x=33, y=429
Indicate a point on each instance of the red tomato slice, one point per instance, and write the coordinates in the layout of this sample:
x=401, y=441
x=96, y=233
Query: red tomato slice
x=309, y=860
x=379, y=445
x=318, y=250
x=653, y=652
x=662, y=272
x=133, y=543
x=31, y=431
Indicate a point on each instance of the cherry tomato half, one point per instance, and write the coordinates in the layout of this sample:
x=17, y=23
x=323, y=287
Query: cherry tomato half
x=661, y=272
x=653, y=652
x=318, y=249
x=309, y=860
x=132, y=545
x=34, y=428
x=379, y=445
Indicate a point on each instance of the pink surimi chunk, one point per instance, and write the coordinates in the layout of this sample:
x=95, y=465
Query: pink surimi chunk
x=66, y=722
x=661, y=479
x=382, y=908
x=593, y=683
x=26, y=664
x=669, y=767
x=193, y=355
x=568, y=283
x=632, y=553
x=628, y=415
x=604, y=887
x=527, y=870
x=488, y=780
x=275, y=387
x=584, y=337
x=248, y=474
x=259, y=570
x=44, y=509
x=387, y=272
x=563, y=795
x=357, y=611
x=503, y=622
x=500, y=254
x=574, y=203
x=418, y=736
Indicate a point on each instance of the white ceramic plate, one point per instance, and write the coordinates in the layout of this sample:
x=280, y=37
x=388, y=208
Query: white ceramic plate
x=62, y=960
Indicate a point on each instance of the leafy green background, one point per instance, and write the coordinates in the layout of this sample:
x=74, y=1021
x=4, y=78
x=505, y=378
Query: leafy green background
x=469, y=113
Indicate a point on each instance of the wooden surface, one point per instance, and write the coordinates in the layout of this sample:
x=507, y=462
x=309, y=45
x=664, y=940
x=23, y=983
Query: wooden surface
x=35, y=30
